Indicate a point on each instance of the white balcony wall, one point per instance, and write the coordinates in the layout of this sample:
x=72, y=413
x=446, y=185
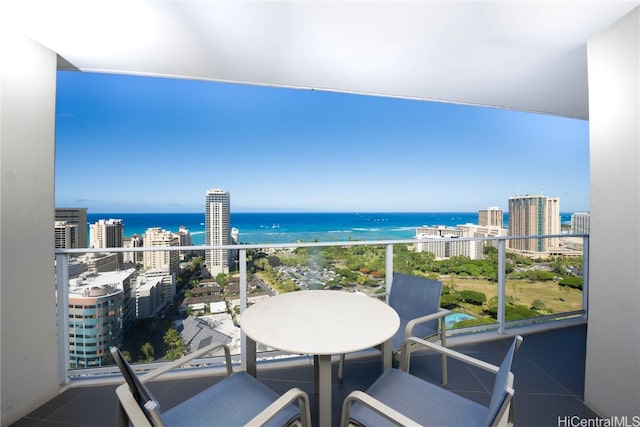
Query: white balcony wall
x=612, y=383
x=29, y=355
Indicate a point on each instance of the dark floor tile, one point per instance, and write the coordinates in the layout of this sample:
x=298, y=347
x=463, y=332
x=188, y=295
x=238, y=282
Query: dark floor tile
x=548, y=369
x=545, y=410
x=565, y=370
x=27, y=422
x=60, y=401
x=95, y=407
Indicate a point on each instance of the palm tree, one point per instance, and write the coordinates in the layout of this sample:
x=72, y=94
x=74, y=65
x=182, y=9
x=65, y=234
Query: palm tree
x=148, y=351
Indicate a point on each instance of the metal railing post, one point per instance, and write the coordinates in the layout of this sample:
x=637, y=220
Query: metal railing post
x=585, y=276
x=502, y=287
x=62, y=315
x=388, y=271
x=243, y=306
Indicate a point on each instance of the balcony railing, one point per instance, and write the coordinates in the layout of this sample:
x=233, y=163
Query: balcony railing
x=561, y=303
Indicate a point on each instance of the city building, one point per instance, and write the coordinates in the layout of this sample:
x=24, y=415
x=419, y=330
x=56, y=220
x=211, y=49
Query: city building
x=100, y=262
x=75, y=216
x=106, y=233
x=148, y=296
x=580, y=223
x=160, y=260
x=66, y=235
x=168, y=282
x=184, y=236
x=217, y=230
x=96, y=316
x=491, y=217
x=533, y=215
x=443, y=242
x=473, y=230
x=132, y=257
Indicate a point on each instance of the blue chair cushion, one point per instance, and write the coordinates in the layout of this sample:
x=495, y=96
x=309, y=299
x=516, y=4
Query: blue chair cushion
x=423, y=402
x=423, y=331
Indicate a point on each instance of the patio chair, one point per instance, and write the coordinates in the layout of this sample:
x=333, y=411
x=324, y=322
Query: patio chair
x=417, y=302
x=237, y=400
x=399, y=398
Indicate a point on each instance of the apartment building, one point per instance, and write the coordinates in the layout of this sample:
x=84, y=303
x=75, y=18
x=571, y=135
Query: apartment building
x=160, y=260
x=491, y=217
x=217, y=230
x=532, y=215
x=66, y=235
x=443, y=242
x=96, y=315
x=106, y=233
x=77, y=217
x=580, y=222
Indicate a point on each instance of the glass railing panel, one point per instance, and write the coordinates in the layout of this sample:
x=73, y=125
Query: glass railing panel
x=159, y=318
x=340, y=268
x=544, y=279
x=468, y=270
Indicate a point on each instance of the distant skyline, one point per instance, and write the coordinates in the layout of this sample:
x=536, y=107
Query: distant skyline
x=143, y=144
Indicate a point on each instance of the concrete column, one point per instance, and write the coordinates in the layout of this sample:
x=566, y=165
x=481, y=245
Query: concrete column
x=29, y=356
x=612, y=379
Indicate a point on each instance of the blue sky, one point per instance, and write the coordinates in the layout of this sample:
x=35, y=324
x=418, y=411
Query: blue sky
x=142, y=144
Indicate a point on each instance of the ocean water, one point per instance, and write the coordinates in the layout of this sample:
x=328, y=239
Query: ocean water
x=293, y=227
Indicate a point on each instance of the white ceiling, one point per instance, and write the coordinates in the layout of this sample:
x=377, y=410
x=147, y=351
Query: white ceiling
x=527, y=56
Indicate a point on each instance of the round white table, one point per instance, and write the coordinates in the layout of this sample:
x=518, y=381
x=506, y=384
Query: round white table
x=321, y=323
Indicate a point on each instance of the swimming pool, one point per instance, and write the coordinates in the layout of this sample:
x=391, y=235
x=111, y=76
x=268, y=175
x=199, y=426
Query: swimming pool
x=453, y=318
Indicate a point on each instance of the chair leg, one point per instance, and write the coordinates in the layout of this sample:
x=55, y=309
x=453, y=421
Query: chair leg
x=445, y=374
x=122, y=420
x=443, y=342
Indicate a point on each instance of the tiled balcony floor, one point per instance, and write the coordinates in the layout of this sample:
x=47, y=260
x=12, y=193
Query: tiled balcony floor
x=548, y=369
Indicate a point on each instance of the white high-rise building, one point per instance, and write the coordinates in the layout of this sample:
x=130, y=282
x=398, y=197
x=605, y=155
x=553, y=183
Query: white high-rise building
x=106, y=233
x=217, y=230
x=491, y=217
x=185, y=239
x=75, y=216
x=531, y=216
x=580, y=222
x=66, y=235
x=444, y=242
x=132, y=257
x=160, y=260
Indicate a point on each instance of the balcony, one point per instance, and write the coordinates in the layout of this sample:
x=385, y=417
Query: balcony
x=549, y=383
x=549, y=368
x=30, y=363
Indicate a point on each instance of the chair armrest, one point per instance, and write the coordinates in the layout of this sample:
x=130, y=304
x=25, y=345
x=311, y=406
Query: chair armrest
x=411, y=344
x=408, y=332
x=376, y=406
x=132, y=412
x=183, y=360
x=282, y=402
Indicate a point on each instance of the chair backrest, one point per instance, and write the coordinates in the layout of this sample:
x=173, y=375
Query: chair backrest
x=502, y=386
x=148, y=404
x=413, y=296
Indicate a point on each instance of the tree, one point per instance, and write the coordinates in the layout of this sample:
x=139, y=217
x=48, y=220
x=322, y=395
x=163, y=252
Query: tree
x=148, y=352
x=174, y=341
x=221, y=278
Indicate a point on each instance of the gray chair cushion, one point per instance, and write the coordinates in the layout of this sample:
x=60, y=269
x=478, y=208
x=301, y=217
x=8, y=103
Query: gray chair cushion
x=423, y=402
x=231, y=402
